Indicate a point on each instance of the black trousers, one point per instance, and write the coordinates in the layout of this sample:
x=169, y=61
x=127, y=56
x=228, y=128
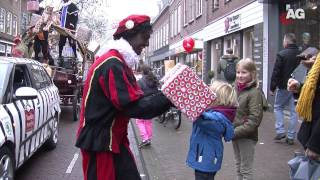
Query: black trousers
x=199, y=175
x=42, y=45
x=62, y=43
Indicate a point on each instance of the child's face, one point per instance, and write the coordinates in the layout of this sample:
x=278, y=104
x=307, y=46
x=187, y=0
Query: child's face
x=243, y=76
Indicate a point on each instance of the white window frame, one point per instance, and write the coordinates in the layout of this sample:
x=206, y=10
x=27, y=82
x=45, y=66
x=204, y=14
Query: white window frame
x=167, y=33
x=192, y=11
x=171, y=25
x=14, y=25
x=9, y=23
x=215, y=5
x=198, y=8
x=185, y=13
x=179, y=18
x=3, y=15
x=176, y=21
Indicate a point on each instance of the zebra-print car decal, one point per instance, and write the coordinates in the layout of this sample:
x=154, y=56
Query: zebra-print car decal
x=13, y=121
x=12, y=126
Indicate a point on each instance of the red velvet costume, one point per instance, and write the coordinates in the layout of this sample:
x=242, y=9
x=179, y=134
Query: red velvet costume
x=111, y=96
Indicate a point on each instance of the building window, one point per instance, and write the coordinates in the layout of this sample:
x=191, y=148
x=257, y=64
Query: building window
x=192, y=11
x=9, y=23
x=185, y=10
x=179, y=19
x=171, y=25
x=24, y=22
x=215, y=5
x=15, y=25
x=2, y=20
x=198, y=8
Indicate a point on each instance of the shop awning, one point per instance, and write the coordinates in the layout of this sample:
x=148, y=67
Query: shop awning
x=159, y=57
x=268, y=1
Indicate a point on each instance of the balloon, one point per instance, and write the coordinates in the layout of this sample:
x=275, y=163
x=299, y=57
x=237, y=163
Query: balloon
x=188, y=44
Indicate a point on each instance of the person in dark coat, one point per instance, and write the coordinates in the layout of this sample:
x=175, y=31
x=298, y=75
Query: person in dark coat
x=111, y=96
x=308, y=108
x=149, y=85
x=285, y=64
x=227, y=65
x=69, y=20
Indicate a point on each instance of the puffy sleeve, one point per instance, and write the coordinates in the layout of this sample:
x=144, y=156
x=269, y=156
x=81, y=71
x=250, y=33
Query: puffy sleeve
x=121, y=86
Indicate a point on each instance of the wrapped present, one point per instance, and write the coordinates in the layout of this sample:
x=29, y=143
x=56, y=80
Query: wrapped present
x=187, y=91
x=83, y=34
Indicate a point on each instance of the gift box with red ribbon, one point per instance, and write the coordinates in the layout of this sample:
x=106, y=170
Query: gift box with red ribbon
x=187, y=91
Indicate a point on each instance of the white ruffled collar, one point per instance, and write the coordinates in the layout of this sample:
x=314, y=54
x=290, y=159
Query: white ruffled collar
x=125, y=49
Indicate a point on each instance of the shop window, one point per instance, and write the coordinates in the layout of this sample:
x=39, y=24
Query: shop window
x=306, y=30
x=2, y=20
x=9, y=23
x=2, y=49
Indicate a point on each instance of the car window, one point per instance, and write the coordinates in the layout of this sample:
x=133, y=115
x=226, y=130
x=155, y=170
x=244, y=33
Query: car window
x=5, y=74
x=21, y=77
x=40, y=77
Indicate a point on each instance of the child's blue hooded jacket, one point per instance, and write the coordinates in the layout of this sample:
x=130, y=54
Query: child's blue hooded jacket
x=206, y=147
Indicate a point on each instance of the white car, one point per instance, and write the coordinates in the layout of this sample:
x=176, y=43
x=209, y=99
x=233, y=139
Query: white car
x=29, y=112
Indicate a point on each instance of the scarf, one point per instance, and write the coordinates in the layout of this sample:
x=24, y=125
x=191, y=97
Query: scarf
x=304, y=105
x=228, y=111
x=125, y=49
x=241, y=86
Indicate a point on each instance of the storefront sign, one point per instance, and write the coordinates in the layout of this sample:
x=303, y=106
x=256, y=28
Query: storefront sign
x=232, y=23
x=294, y=14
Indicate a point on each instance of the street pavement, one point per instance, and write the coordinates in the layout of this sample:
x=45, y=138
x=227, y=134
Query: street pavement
x=165, y=158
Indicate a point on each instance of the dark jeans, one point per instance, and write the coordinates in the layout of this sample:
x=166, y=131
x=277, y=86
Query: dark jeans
x=199, y=175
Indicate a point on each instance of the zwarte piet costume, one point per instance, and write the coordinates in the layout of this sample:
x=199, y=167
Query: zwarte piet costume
x=111, y=96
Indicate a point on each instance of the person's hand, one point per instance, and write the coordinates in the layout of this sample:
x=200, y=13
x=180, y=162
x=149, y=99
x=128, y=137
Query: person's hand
x=312, y=155
x=271, y=93
x=309, y=62
x=293, y=85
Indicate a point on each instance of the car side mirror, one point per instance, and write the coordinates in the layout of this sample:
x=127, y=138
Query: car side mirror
x=26, y=93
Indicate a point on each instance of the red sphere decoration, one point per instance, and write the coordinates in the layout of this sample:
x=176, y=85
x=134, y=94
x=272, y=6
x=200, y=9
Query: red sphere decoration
x=188, y=44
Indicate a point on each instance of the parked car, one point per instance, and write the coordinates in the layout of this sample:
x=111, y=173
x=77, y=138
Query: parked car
x=29, y=112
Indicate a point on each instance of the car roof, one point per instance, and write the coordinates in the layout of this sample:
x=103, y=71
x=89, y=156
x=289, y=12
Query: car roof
x=16, y=60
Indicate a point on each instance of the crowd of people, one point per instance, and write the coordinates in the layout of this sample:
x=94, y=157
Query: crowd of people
x=112, y=95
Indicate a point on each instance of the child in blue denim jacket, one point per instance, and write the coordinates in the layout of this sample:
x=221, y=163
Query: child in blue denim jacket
x=206, y=146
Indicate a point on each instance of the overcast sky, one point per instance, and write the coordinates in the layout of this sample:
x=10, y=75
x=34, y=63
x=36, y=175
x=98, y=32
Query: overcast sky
x=120, y=9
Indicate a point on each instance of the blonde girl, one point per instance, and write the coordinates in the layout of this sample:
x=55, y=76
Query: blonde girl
x=248, y=118
x=206, y=147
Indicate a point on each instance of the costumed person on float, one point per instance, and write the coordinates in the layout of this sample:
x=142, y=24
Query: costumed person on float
x=41, y=38
x=16, y=52
x=111, y=96
x=69, y=20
